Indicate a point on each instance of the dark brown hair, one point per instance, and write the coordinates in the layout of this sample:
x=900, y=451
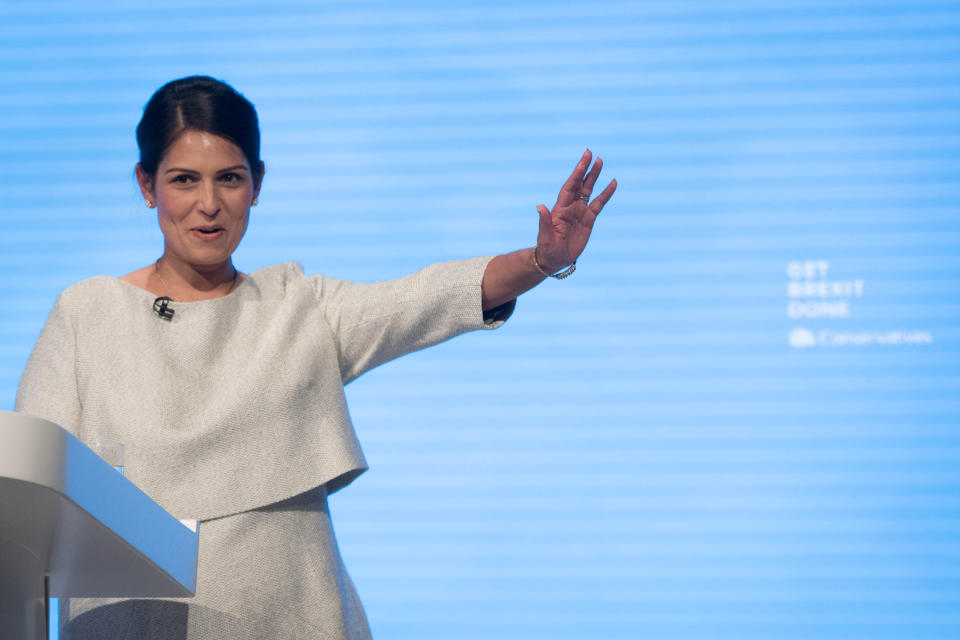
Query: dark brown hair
x=198, y=103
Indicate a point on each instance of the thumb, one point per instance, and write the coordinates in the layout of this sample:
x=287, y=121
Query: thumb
x=546, y=220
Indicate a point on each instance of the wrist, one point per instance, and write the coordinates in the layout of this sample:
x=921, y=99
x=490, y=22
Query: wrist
x=548, y=272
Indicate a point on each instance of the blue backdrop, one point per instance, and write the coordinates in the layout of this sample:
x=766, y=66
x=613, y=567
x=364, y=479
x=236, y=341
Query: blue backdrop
x=739, y=419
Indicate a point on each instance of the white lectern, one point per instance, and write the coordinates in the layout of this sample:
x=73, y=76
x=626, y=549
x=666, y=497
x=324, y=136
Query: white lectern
x=70, y=525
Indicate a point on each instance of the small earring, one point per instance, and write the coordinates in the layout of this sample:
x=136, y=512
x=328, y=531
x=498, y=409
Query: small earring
x=149, y=203
x=254, y=203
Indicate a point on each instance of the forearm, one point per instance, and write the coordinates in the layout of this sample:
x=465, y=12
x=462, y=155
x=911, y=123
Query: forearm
x=507, y=276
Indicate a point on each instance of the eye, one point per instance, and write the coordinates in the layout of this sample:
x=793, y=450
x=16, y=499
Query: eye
x=183, y=178
x=231, y=178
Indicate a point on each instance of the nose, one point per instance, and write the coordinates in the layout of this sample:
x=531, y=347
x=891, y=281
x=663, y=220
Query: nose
x=209, y=201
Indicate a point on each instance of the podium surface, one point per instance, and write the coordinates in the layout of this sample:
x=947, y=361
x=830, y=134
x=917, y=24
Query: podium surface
x=67, y=515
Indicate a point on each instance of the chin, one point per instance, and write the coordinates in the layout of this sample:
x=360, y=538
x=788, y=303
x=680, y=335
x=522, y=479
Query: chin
x=206, y=259
x=212, y=262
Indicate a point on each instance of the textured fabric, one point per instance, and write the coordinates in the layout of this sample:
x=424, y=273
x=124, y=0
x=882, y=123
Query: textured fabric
x=233, y=413
x=273, y=572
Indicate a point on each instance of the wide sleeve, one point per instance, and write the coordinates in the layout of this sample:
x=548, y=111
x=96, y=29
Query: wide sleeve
x=48, y=387
x=376, y=322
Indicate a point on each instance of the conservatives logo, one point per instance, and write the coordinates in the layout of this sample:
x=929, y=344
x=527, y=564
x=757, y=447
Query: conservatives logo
x=802, y=338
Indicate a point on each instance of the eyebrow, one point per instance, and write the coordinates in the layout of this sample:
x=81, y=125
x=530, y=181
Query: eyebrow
x=234, y=168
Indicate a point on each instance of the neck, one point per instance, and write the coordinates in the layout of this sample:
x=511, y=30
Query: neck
x=188, y=283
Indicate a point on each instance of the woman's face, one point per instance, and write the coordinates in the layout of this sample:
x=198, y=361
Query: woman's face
x=203, y=190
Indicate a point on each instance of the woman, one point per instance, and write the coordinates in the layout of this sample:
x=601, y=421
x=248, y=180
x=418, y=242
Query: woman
x=227, y=388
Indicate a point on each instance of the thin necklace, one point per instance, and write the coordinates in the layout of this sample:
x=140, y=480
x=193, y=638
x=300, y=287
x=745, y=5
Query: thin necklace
x=156, y=270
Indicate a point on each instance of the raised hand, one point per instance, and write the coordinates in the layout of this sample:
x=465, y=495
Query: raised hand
x=564, y=231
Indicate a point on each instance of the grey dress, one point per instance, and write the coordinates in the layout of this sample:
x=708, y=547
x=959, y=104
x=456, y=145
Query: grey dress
x=233, y=413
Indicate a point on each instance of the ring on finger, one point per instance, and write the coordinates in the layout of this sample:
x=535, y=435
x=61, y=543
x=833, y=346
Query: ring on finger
x=585, y=198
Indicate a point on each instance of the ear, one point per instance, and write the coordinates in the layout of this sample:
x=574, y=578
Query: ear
x=146, y=183
x=257, y=182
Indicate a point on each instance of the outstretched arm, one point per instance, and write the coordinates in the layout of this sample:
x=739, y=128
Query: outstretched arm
x=563, y=234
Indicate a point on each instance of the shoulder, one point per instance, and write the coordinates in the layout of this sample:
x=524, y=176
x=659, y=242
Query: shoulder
x=96, y=288
x=277, y=278
x=78, y=300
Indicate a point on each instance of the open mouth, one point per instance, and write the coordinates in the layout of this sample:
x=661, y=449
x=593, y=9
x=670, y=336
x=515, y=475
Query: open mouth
x=207, y=233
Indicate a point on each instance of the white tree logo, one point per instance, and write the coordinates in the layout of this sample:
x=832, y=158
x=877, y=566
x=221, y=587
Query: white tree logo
x=801, y=338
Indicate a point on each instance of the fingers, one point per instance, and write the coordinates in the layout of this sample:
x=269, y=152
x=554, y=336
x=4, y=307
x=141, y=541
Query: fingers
x=587, y=187
x=575, y=181
x=597, y=205
x=581, y=182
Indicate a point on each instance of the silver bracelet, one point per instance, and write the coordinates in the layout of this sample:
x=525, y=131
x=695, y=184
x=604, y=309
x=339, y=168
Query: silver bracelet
x=559, y=275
